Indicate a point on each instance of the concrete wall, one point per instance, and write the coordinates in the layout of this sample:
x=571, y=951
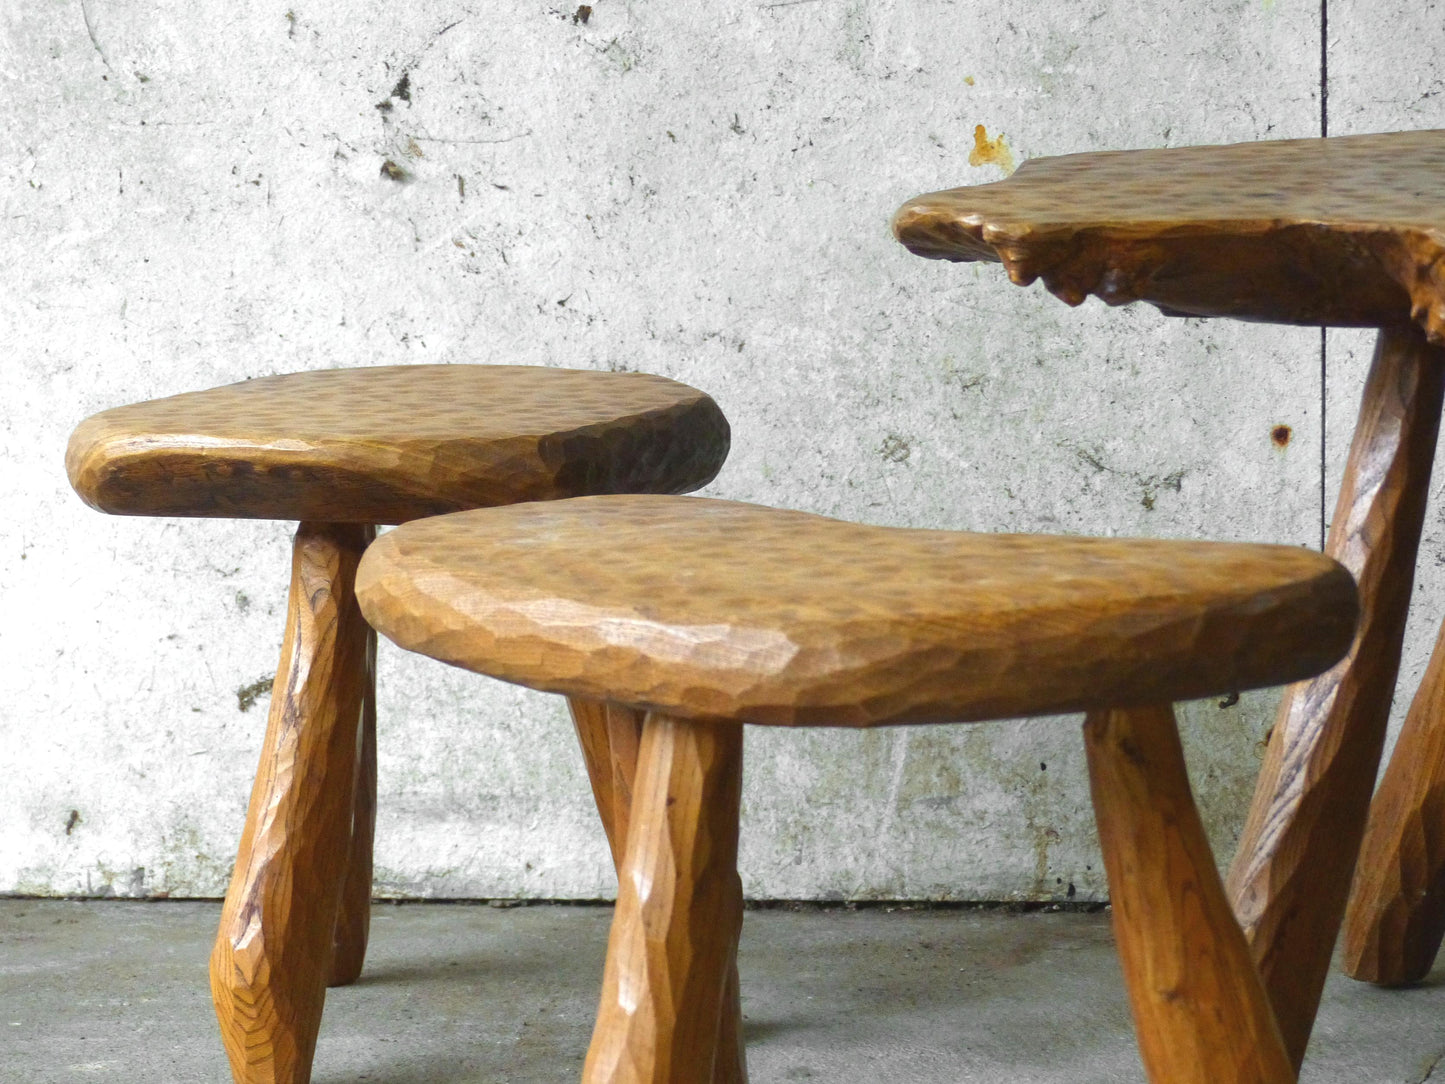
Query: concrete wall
x=195, y=193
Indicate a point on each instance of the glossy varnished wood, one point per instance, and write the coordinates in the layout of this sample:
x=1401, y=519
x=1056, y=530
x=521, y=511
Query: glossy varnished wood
x=610, y=736
x=273, y=952
x=1200, y=1011
x=713, y=609
x=1343, y=231
x=1396, y=916
x=679, y=909
x=393, y=443
x=1292, y=871
x=353, y=916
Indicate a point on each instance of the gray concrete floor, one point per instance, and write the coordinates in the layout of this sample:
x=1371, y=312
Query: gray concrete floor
x=462, y=994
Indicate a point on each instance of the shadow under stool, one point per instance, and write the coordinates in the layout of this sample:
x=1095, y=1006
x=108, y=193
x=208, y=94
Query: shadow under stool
x=1342, y=232
x=342, y=451
x=709, y=614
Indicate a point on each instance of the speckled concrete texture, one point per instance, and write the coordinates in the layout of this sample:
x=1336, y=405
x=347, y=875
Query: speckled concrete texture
x=196, y=193
x=113, y=990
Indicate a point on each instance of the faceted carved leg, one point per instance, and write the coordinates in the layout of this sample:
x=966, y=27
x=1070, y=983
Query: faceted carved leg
x=679, y=909
x=1397, y=909
x=353, y=917
x=1291, y=874
x=610, y=735
x=273, y=951
x=1200, y=1010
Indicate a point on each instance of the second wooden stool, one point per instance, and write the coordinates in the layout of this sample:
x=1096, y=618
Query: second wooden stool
x=710, y=614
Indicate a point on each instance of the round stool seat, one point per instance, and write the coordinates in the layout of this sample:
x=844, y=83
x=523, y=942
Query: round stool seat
x=394, y=443
x=717, y=610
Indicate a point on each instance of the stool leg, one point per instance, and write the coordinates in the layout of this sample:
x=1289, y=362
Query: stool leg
x=1396, y=917
x=269, y=966
x=679, y=908
x=609, y=735
x=353, y=916
x=1291, y=874
x=1200, y=1010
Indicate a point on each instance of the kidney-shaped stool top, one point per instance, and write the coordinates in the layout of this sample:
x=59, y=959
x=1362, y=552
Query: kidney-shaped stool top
x=395, y=443
x=713, y=609
x=709, y=614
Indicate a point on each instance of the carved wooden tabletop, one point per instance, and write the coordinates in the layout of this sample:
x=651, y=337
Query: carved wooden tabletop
x=713, y=609
x=389, y=444
x=1348, y=231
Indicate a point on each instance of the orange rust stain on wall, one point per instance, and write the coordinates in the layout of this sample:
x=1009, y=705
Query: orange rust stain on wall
x=1281, y=434
x=990, y=152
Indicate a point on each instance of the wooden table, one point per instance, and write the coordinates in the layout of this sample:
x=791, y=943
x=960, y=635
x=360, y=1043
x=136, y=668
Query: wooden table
x=1346, y=232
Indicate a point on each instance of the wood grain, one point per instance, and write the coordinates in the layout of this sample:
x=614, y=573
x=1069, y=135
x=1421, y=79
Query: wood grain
x=679, y=909
x=713, y=609
x=1200, y=1011
x=1396, y=915
x=273, y=951
x=353, y=915
x=1291, y=874
x=393, y=443
x=1345, y=231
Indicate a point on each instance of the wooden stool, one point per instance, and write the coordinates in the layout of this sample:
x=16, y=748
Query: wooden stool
x=1345, y=232
x=708, y=614
x=342, y=451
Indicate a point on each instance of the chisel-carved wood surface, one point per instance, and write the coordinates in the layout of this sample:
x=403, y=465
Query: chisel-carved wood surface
x=393, y=443
x=1291, y=874
x=273, y=953
x=353, y=915
x=610, y=736
x=736, y=613
x=679, y=908
x=713, y=609
x=1345, y=231
x=1200, y=1011
x=1396, y=917
x=342, y=450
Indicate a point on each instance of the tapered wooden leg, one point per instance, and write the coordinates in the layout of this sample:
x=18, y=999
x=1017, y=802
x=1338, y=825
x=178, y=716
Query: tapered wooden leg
x=679, y=908
x=273, y=951
x=610, y=735
x=1200, y=1010
x=353, y=916
x=1291, y=874
x=1396, y=916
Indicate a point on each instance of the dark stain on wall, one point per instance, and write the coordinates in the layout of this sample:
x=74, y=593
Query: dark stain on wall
x=247, y=695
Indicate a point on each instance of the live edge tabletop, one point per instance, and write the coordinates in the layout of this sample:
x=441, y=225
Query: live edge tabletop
x=1343, y=232
x=1346, y=232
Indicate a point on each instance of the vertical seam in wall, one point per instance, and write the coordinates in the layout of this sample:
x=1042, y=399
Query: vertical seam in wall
x=1324, y=361
x=1324, y=510
x=1324, y=68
